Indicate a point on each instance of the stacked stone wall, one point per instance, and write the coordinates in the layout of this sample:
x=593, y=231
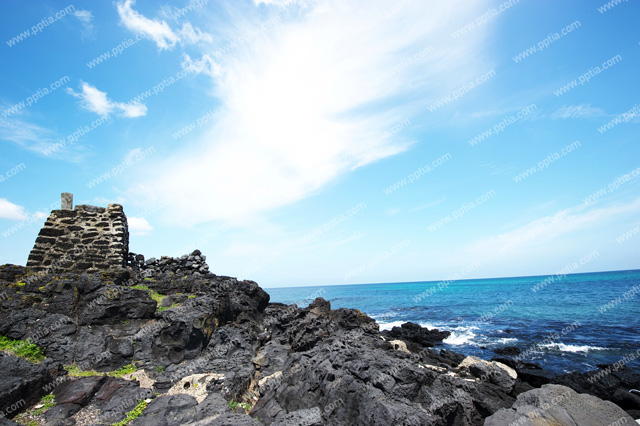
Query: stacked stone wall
x=87, y=238
x=194, y=263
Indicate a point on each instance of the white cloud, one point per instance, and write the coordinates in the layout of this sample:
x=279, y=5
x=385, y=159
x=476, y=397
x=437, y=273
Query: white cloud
x=86, y=18
x=40, y=215
x=545, y=232
x=204, y=65
x=306, y=104
x=95, y=100
x=191, y=35
x=139, y=226
x=158, y=30
x=11, y=211
x=578, y=111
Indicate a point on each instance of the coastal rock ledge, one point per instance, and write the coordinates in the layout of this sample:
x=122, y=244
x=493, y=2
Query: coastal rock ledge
x=218, y=353
x=166, y=342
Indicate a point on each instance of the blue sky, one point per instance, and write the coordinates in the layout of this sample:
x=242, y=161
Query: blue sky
x=320, y=142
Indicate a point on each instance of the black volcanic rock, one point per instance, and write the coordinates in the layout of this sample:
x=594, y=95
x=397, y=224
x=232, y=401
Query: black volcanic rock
x=412, y=333
x=507, y=351
x=20, y=380
x=168, y=410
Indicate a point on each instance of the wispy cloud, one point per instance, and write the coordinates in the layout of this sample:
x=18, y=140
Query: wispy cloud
x=22, y=132
x=86, y=19
x=577, y=111
x=354, y=237
x=497, y=169
x=95, y=100
x=306, y=104
x=548, y=231
x=158, y=30
x=428, y=205
x=27, y=135
x=205, y=65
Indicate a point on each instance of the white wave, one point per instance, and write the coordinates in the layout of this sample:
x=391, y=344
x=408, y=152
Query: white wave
x=427, y=325
x=504, y=341
x=431, y=326
x=460, y=338
x=572, y=348
x=390, y=325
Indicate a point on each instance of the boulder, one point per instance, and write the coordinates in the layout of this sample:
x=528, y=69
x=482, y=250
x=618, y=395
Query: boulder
x=115, y=304
x=416, y=336
x=559, y=405
x=168, y=410
x=20, y=381
x=489, y=371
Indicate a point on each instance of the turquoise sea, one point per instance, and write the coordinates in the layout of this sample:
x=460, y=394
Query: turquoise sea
x=565, y=324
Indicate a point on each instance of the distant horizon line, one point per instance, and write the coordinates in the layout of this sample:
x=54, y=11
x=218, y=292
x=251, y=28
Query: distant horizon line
x=462, y=279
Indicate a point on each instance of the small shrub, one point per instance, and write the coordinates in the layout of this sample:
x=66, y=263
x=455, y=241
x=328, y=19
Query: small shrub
x=160, y=369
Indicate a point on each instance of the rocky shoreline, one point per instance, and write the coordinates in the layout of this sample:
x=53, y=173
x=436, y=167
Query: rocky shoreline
x=166, y=342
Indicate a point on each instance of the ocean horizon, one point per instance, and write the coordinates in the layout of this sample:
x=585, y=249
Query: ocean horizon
x=565, y=323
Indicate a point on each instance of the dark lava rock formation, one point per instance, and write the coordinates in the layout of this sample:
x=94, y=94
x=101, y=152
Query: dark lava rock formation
x=212, y=350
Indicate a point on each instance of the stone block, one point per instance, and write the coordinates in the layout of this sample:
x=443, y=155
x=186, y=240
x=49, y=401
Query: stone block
x=67, y=201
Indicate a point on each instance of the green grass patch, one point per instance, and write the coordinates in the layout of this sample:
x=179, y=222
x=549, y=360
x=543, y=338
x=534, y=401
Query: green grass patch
x=234, y=405
x=154, y=294
x=133, y=414
x=47, y=402
x=149, y=279
x=22, y=348
x=74, y=371
x=32, y=415
x=125, y=369
x=163, y=308
x=21, y=283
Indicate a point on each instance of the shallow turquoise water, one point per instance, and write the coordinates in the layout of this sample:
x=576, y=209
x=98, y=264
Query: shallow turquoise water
x=564, y=326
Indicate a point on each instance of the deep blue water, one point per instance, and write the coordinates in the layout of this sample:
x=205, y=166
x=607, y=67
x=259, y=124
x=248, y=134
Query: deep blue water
x=560, y=326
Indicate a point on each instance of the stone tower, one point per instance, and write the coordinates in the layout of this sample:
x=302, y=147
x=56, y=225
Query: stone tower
x=86, y=238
